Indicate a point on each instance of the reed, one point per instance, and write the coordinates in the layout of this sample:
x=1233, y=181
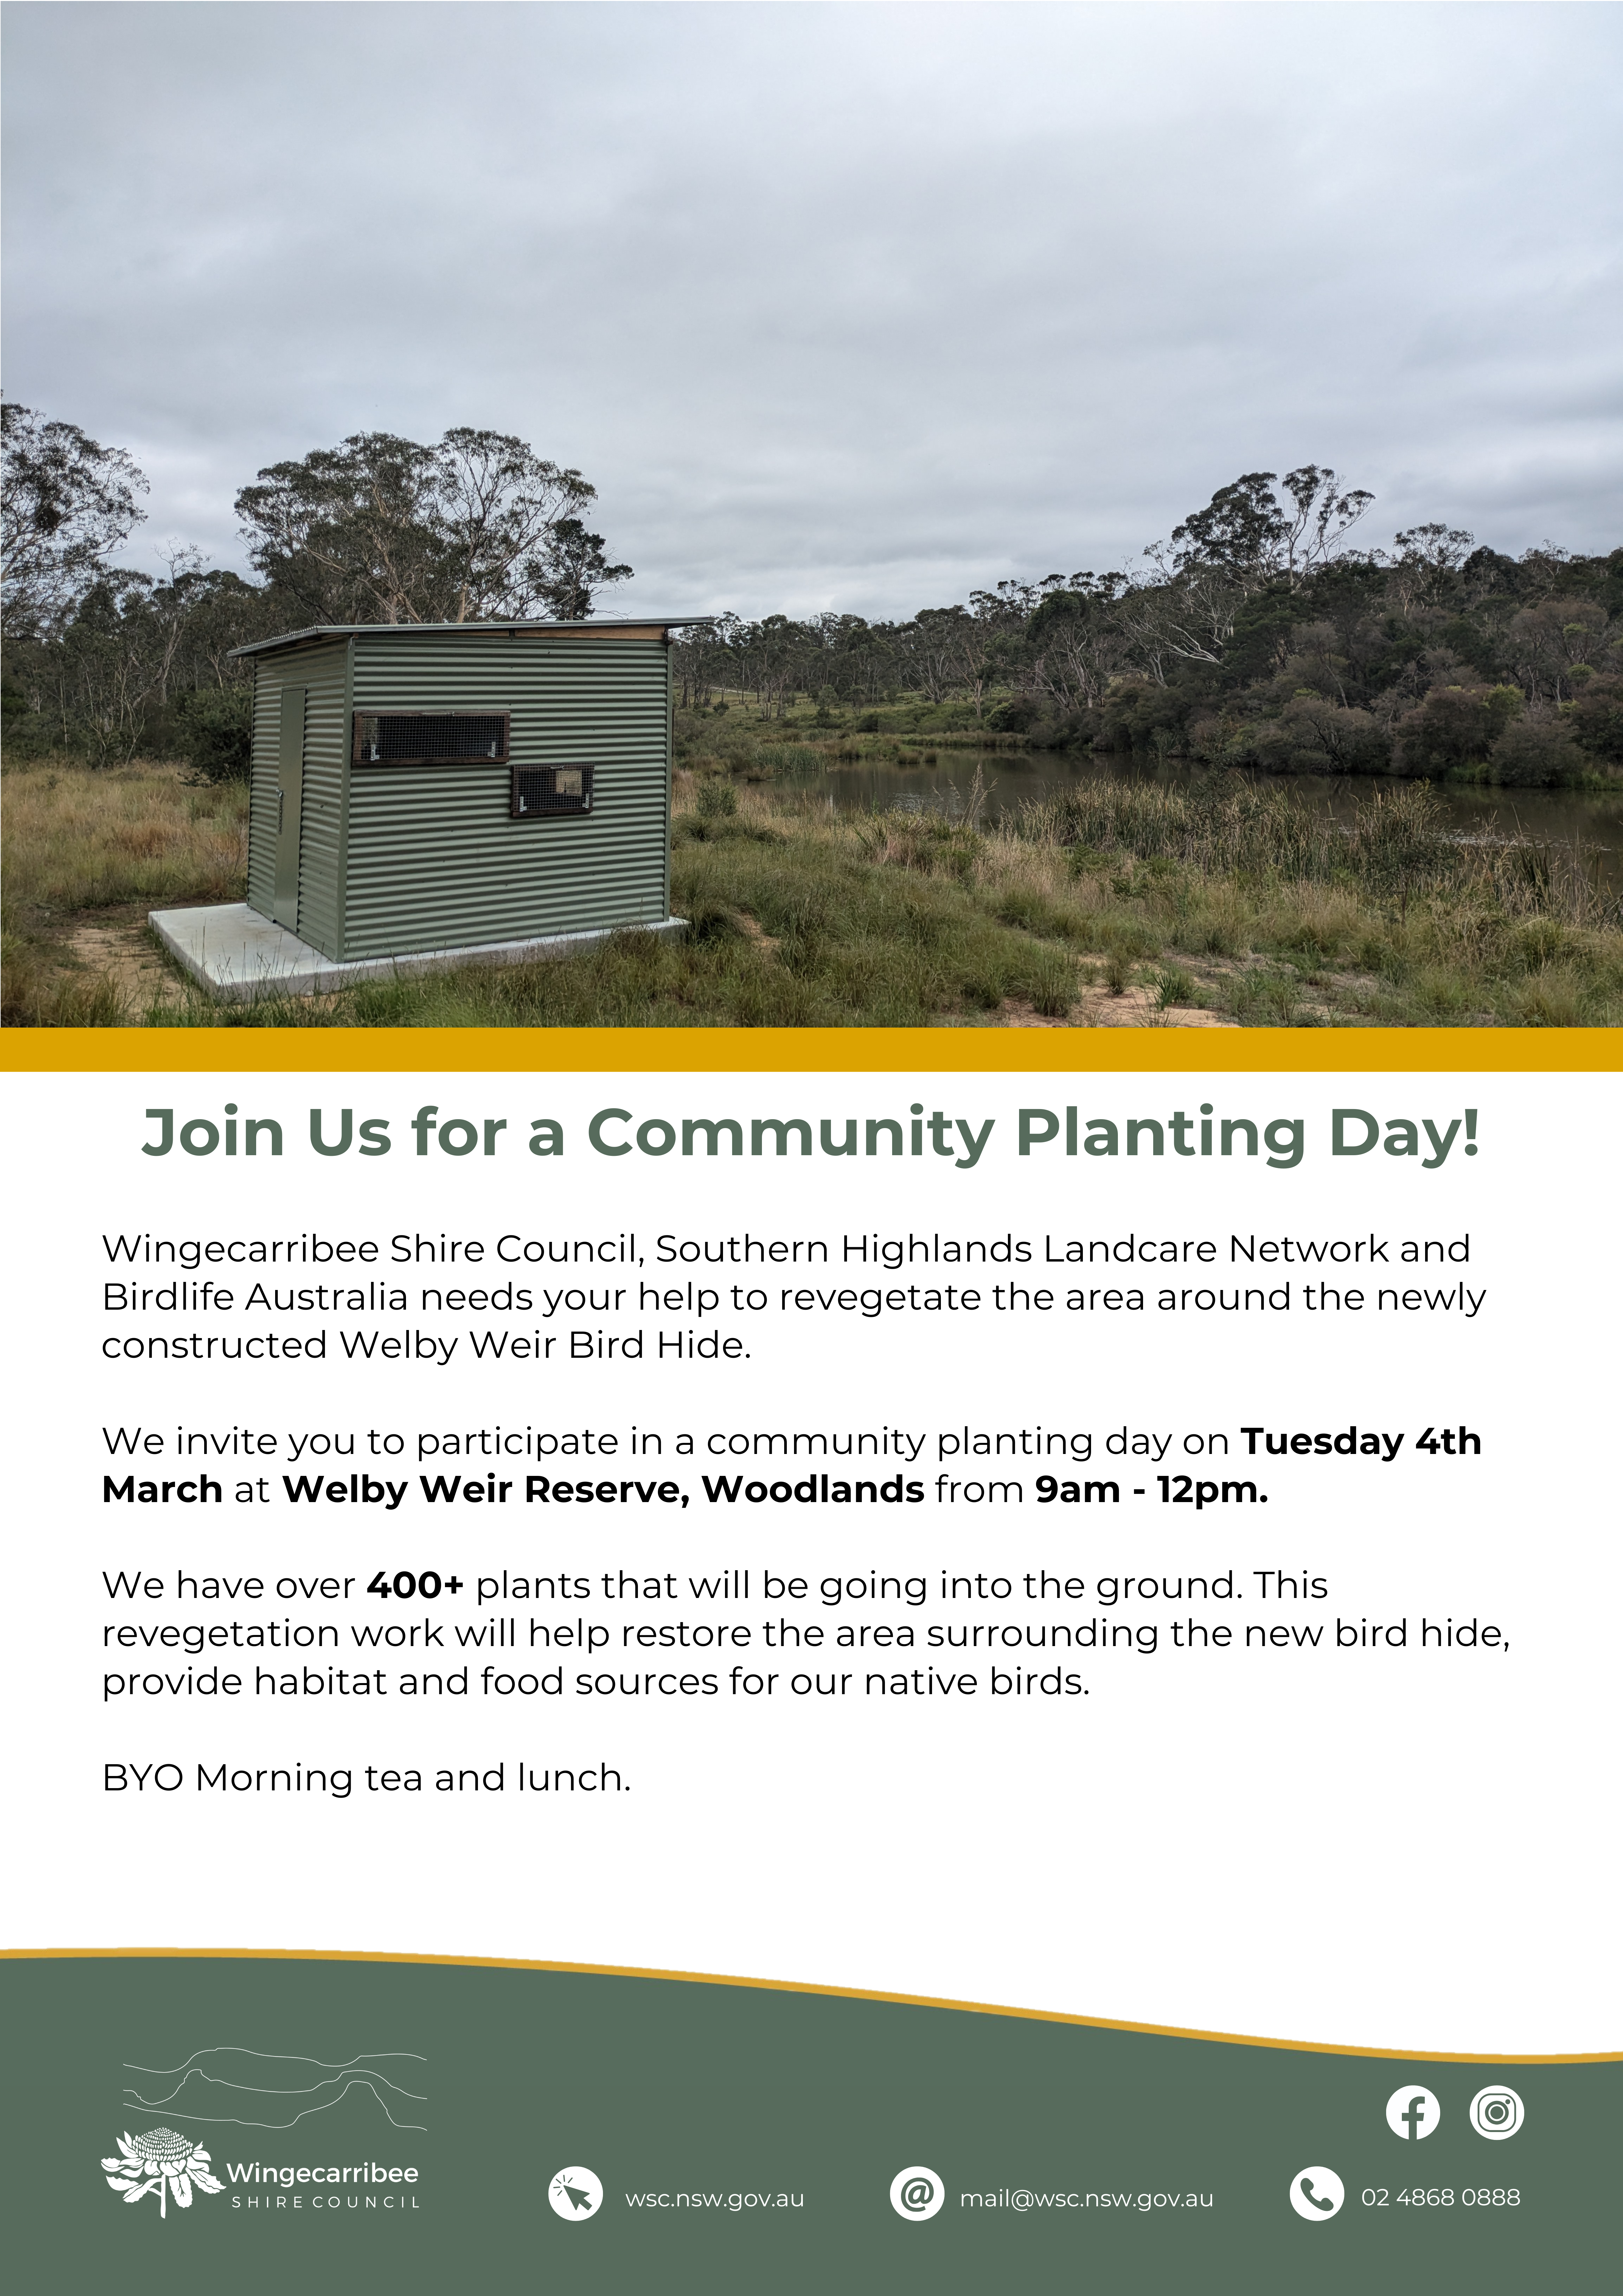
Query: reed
x=1224, y=893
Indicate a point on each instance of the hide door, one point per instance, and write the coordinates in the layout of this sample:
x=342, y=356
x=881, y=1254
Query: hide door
x=289, y=807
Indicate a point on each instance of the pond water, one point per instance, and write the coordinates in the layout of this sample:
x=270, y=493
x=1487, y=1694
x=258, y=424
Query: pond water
x=1592, y=819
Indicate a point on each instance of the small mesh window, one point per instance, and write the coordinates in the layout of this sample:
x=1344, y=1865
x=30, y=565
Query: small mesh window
x=403, y=738
x=539, y=790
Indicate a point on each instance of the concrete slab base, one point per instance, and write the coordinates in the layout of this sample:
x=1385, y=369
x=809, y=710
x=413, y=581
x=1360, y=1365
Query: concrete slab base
x=239, y=956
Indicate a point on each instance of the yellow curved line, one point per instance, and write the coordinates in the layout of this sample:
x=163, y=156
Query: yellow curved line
x=789, y=1985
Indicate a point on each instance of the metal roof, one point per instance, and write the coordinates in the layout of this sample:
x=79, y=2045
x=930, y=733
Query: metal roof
x=445, y=629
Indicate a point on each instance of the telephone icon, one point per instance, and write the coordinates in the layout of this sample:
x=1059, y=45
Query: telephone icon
x=1316, y=2193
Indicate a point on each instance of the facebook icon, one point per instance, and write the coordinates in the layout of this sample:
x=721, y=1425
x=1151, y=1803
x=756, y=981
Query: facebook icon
x=1412, y=2113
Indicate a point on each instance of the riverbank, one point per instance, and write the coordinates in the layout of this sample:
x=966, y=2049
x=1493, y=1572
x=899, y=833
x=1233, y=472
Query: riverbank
x=1116, y=903
x=911, y=730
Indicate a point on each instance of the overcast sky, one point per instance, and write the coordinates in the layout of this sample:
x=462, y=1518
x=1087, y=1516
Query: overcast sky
x=850, y=306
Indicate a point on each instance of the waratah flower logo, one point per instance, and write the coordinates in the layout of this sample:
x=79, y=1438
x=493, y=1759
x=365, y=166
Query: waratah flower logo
x=161, y=2161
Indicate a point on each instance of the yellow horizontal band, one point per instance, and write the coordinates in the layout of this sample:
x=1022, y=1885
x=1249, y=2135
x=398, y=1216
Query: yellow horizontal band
x=784, y=1985
x=1533, y=1052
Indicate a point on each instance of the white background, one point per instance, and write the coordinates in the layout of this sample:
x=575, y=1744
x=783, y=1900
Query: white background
x=1408, y=1849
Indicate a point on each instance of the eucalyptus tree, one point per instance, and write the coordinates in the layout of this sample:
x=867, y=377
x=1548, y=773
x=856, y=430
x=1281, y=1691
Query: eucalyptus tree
x=856, y=658
x=106, y=671
x=1072, y=642
x=67, y=502
x=576, y=571
x=773, y=656
x=944, y=648
x=1423, y=563
x=705, y=659
x=1248, y=532
x=1247, y=538
x=383, y=529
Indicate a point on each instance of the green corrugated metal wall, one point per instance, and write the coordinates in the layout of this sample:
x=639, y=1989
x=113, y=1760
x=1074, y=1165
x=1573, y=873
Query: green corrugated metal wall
x=425, y=857
x=322, y=667
x=433, y=859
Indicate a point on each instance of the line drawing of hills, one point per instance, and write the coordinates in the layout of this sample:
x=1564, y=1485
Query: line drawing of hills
x=298, y=2099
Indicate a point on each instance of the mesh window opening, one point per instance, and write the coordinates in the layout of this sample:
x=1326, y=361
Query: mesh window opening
x=539, y=790
x=418, y=739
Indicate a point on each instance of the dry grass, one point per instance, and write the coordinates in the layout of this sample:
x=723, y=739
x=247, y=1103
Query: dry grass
x=77, y=840
x=1122, y=904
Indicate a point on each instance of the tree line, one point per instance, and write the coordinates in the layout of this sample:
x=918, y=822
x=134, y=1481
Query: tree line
x=1261, y=633
x=107, y=662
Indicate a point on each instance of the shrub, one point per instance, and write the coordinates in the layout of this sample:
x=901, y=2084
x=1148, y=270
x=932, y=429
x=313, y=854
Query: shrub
x=1339, y=741
x=29, y=733
x=717, y=798
x=1597, y=718
x=1137, y=708
x=1532, y=752
x=214, y=733
x=1456, y=726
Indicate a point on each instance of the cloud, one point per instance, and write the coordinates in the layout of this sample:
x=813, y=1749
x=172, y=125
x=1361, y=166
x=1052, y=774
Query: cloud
x=836, y=306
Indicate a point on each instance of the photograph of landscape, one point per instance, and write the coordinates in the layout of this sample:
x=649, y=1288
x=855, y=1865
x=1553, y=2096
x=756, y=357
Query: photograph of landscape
x=1093, y=589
